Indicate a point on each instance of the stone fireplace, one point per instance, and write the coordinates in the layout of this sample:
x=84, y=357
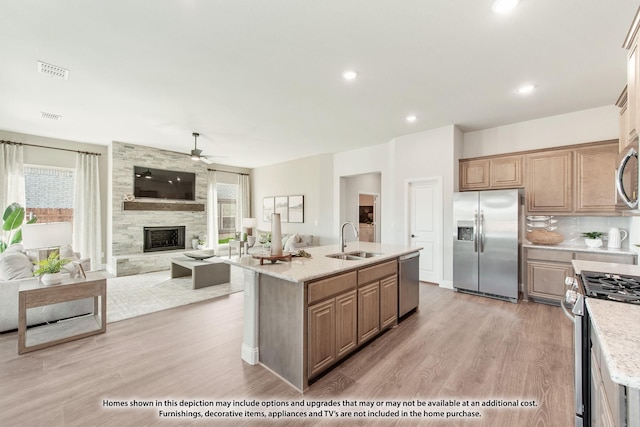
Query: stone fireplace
x=163, y=238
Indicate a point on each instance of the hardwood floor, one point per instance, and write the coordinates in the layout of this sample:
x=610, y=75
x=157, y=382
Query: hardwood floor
x=457, y=346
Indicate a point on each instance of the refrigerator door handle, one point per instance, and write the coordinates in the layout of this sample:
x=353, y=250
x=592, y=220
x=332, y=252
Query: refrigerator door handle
x=475, y=231
x=481, y=231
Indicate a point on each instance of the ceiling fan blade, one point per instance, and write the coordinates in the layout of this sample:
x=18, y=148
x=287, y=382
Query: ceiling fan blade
x=206, y=160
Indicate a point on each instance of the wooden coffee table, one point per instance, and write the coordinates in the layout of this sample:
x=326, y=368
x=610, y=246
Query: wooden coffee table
x=206, y=272
x=34, y=294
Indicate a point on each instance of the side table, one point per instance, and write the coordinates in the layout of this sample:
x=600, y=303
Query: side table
x=36, y=294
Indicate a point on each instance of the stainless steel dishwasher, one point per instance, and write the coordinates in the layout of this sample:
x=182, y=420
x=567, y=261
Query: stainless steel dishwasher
x=408, y=283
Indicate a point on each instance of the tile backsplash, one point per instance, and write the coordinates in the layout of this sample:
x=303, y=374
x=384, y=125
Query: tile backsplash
x=572, y=227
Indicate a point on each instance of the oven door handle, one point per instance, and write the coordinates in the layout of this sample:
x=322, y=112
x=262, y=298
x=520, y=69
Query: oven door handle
x=566, y=312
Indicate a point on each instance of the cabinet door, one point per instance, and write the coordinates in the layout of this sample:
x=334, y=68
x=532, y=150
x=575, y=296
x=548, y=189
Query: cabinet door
x=474, y=174
x=506, y=172
x=388, y=301
x=368, y=312
x=322, y=336
x=549, y=184
x=624, y=121
x=546, y=279
x=346, y=323
x=595, y=178
x=633, y=74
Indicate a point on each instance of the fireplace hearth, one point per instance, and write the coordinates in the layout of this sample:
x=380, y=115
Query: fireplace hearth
x=164, y=238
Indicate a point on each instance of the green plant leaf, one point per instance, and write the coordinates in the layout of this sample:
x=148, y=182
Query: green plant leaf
x=13, y=217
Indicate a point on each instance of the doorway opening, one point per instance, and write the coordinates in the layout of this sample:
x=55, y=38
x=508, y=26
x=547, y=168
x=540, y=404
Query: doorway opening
x=368, y=217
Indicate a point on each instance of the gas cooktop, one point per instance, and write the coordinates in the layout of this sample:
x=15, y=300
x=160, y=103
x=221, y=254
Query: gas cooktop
x=615, y=287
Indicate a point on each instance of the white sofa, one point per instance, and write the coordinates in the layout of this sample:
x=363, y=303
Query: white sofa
x=290, y=242
x=15, y=268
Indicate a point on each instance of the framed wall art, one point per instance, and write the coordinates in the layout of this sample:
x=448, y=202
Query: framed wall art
x=282, y=207
x=296, y=208
x=267, y=208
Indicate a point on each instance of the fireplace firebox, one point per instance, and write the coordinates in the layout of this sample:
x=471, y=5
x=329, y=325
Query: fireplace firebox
x=163, y=238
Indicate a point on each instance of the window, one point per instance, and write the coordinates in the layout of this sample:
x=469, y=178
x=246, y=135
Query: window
x=49, y=193
x=227, y=194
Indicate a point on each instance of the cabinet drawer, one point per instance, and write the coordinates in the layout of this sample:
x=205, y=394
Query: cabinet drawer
x=377, y=272
x=322, y=289
x=549, y=255
x=619, y=259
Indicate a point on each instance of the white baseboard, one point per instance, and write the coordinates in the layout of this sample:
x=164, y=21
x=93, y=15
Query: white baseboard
x=447, y=284
x=250, y=355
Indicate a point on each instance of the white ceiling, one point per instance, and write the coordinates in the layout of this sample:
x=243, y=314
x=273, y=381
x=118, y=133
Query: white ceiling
x=260, y=80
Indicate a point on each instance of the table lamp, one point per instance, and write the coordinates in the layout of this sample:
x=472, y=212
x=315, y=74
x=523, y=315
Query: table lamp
x=249, y=224
x=46, y=237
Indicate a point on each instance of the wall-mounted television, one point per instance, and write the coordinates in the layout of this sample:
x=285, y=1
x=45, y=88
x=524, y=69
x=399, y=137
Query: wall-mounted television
x=163, y=184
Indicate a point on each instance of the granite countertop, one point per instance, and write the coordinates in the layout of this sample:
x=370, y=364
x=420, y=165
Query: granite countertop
x=302, y=269
x=580, y=248
x=615, y=324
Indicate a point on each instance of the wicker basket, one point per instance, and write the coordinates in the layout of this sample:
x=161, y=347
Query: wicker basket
x=544, y=237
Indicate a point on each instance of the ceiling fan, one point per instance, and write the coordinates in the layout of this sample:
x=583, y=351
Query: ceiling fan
x=196, y=154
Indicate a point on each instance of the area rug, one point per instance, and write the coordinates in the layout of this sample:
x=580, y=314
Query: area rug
x=140, y=294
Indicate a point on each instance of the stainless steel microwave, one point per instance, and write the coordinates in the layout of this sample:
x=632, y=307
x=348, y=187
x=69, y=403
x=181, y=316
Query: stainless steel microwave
x=627, y=178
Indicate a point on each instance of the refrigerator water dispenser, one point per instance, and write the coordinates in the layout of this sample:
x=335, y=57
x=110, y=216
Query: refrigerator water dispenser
x=465, y=230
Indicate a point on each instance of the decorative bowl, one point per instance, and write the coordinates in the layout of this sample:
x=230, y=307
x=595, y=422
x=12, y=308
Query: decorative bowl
x=200, y=255
x=544, y=237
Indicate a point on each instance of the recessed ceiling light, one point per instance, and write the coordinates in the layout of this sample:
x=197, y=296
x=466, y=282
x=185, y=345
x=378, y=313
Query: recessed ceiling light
x=526, y=89
x=503, y=7
x=349, y=75
x=412, y=118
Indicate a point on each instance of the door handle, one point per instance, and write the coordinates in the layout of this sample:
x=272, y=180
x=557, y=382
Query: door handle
x=413, y=235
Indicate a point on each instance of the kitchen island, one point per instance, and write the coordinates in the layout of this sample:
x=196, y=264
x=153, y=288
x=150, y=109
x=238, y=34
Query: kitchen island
x=304, y=316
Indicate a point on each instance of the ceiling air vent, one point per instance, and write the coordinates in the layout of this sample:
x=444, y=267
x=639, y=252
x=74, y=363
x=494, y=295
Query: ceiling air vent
x=53, y=70
x=50, y=116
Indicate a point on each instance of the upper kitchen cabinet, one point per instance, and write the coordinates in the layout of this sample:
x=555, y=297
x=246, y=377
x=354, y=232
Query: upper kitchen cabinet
x=624, y=121
x=595, y=178
x=549, y=182
x=489, y=173
x=633, y=80
x=573, y=181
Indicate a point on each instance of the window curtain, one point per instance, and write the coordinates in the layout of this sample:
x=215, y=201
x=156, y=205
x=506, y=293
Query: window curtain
x=87, y=229
x=11, y=175
x=243, y=202
x=212, y=210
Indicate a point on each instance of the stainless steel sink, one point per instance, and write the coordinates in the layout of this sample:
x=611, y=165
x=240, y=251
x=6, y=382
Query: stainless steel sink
x=354, y=255
x=347, y=257
x=364, y=254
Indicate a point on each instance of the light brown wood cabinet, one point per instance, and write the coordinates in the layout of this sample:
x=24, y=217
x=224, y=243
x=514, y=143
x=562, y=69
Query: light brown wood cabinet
x=549, y=184
x=496, y=172
x=595, y=189
x=624, y=121
x=633, y=83
x=347, y=310
x=577, y=180
x=546, y=270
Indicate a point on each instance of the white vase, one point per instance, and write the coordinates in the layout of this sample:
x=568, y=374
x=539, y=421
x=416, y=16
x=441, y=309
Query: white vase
x=276, y=235
x=194, y=243
x=51, y=278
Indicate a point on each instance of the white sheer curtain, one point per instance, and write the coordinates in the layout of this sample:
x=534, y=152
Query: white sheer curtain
x=87, y=230
x=243, y=200
x=11, y=175
x=212, y=210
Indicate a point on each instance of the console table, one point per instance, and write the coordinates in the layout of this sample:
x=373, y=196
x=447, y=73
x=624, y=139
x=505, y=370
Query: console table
x=206, y=272
x=35, y=294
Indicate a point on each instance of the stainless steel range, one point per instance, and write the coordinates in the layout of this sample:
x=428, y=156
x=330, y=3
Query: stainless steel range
x=592, y=284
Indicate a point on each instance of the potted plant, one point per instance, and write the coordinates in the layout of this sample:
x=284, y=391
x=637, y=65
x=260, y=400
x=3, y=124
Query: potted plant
x=593, y=239
x=51, y=268
x=12, y=220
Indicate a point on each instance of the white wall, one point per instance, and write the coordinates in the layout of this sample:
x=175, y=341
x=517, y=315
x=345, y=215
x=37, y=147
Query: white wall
x=596, y=124
x=310, y=177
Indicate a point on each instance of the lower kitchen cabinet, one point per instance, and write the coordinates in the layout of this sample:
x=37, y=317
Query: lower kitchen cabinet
x=348, y=310
x=546, y=270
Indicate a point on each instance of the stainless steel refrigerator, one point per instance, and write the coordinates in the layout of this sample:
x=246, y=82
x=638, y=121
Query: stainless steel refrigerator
x=485, y=242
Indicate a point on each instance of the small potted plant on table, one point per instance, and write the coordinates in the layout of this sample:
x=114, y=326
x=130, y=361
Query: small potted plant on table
x=50, y=269
x=593, y=239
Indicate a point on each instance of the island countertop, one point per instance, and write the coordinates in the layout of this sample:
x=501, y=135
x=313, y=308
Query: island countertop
x=302, y=269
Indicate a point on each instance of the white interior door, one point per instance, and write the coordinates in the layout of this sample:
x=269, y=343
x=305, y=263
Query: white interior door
x=425, y=226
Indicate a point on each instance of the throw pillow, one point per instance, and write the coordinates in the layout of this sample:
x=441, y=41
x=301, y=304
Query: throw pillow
x=15, y=265
x=291, y=241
